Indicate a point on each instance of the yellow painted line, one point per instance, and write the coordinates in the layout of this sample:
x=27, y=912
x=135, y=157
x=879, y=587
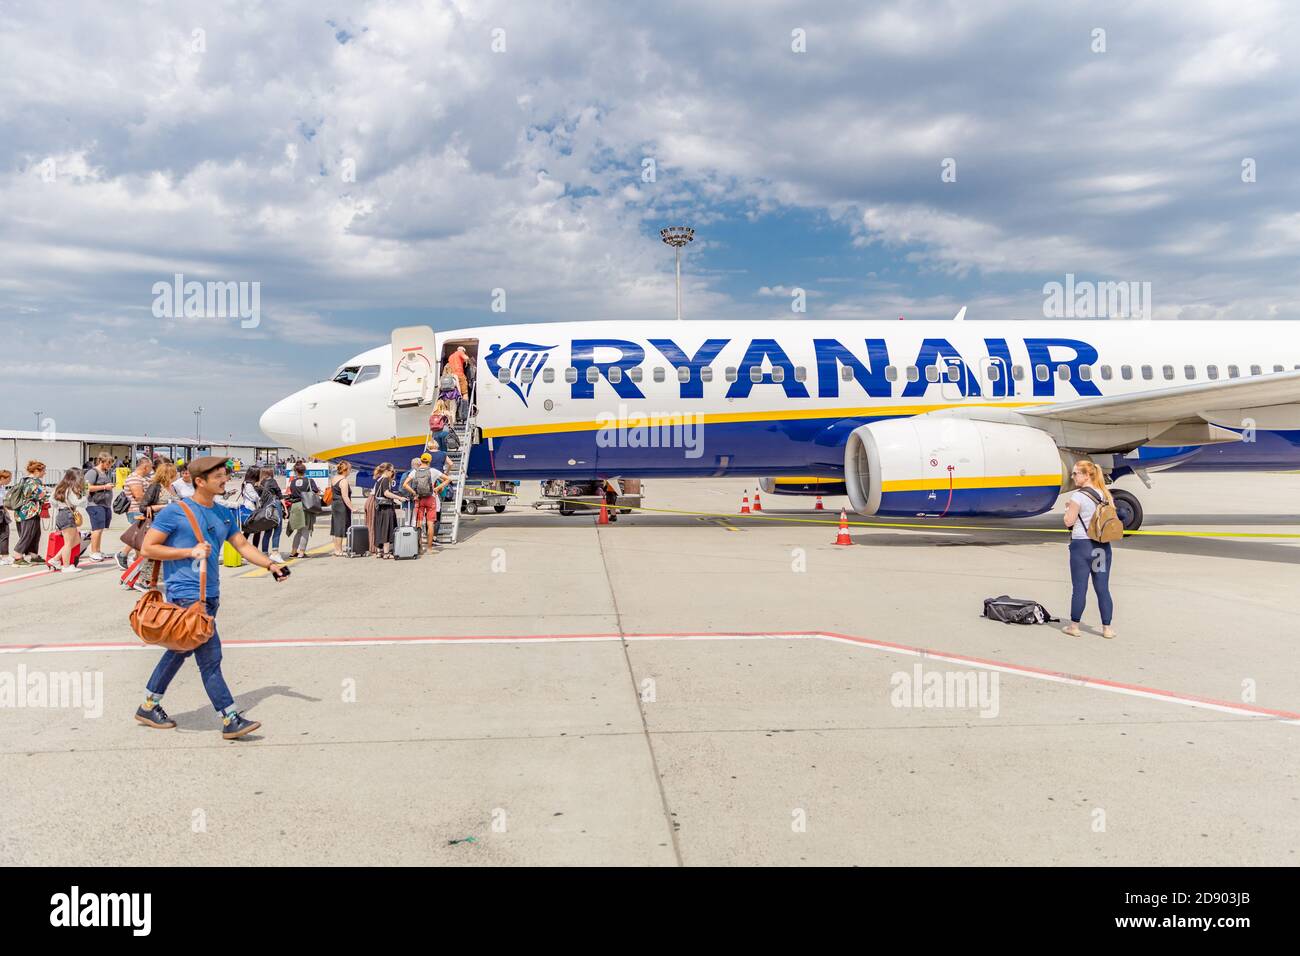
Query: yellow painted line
x=998, y=481
x=262, y=572
x=834, y=522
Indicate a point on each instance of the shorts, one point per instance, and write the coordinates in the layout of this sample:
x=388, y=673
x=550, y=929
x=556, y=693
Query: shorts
x=64, y=520
x=100, y=517
x=426, y=509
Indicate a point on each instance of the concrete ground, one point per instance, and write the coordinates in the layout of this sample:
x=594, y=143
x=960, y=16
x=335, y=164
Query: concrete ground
x=688, y=689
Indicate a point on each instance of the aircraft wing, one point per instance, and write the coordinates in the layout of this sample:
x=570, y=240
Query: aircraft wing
x=1220, y=401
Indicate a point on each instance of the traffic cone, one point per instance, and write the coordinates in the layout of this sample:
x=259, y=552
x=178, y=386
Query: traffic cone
x=744, y=504
x=604, y=514
x=843, y=536
x=819, y=506
x=758, y=504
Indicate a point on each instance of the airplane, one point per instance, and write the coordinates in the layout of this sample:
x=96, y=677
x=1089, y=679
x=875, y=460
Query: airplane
x=913, y=419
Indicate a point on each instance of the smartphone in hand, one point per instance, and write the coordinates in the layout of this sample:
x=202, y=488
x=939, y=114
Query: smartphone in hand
x=281, y=574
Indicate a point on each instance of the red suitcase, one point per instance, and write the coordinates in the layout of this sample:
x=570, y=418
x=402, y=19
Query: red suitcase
x=55, y=545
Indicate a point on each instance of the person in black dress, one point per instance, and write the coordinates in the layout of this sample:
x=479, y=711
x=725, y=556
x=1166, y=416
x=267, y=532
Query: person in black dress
x=386, y=503
x=341, y=506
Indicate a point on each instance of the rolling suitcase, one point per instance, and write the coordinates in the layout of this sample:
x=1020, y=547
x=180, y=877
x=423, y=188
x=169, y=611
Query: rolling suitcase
x=55, y=544
x=230, y=558
x=358, y=540
x=406, y=543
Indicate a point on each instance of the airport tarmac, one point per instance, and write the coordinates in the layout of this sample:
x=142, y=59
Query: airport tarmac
x=690, y=689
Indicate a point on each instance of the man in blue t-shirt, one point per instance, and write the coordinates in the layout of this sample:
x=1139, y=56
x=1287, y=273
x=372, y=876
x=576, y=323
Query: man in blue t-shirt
x=171, y=540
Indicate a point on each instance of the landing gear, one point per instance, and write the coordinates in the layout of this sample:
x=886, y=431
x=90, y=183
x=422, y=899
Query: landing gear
x=1128, y=508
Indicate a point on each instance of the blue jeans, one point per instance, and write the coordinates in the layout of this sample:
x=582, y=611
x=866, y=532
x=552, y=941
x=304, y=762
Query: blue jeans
x=267, y=540
x=208, y=657
x=1090, y=559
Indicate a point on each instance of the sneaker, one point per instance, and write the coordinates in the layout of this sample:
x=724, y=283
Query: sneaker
x=275, y=556
x=96, y=556
x=237, y=726
x=121, y=560
x=156, y=718
x=22, y=563
x=6, y=560
x=139, y=586
x=68, y=569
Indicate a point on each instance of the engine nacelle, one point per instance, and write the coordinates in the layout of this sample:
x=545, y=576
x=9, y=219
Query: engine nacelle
x=952, y=466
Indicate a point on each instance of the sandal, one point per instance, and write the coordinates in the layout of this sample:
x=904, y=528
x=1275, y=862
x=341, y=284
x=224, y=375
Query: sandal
x=1072, y=631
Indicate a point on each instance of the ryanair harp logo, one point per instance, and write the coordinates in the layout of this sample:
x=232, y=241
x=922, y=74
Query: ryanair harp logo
x=518, y=357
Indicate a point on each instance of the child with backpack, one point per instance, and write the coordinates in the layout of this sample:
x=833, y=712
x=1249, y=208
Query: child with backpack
x=1090, y=515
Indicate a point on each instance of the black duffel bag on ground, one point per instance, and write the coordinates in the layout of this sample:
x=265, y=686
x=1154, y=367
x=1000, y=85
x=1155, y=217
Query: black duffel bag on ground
x=1011, y=610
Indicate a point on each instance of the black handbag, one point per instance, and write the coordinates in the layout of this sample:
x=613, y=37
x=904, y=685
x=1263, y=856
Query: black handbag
x=264, y=518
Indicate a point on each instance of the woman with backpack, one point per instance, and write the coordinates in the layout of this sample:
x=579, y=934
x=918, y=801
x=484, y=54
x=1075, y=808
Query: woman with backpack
x=1090, y=556
x=26, y=499
x=302, y=520
x=340, y=506
x=269, y=541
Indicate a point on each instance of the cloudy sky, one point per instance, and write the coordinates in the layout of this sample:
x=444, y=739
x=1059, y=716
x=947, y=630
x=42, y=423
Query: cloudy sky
x=389, y=163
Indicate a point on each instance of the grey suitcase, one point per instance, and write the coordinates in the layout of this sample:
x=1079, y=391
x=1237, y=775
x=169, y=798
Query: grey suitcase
x=406, y=542
x=358, y=543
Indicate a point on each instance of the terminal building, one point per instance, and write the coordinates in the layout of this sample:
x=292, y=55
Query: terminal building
x=63, y=450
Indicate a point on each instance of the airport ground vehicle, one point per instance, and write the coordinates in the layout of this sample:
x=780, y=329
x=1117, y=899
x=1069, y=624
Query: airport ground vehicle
x=584, y=497
x=488, y=494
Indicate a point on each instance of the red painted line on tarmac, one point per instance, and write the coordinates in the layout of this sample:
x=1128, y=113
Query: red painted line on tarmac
x=1096, y=683
x=43, y=572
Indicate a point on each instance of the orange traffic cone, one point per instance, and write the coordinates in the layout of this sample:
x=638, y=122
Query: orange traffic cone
x=819, y=506
x=843, y=536
x=744, y=504
x=604, y=514
x=758, y=504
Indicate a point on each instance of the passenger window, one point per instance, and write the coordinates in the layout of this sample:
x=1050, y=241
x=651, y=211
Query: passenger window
x=593, y=375
x=755, y=374
x=1018, y=372
x=931, y=373
x=730, y=373
x=1255, y=370
x=659, y=375
x=913, y=374
x=503, y=376
x=954, y=373
x=1063, y=373
x=1106, y=373
x=800, y=373
x=1211, y=371
x=1040, y=373
x=366, y=374
x=1279, y=368
x=548, y=375
x=525, y=375
x=891, y=373
x=778, y=373
x=635, y=373
x=706, y=373
x=1189, y=372
x=570, y=375
x=1126, y=372
x=683, y=375
x=1234, y=372
x=995, y=373
x=846, y=373
x=1147, y=372
x=1168, y=372
x=1085, y=373
x=615, y=375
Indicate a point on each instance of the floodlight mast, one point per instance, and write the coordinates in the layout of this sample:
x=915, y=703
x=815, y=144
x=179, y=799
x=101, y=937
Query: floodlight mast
x=678, y=236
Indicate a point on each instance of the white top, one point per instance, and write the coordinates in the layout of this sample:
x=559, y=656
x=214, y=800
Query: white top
x=1087, y=508
x=182, y=488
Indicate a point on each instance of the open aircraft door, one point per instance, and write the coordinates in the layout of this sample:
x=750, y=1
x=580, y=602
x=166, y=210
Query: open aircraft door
x=415, y=367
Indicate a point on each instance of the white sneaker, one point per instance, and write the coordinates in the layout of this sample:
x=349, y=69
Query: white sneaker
x=275, y=556
x=68, y=569
x=96, y=557
x=6, y=560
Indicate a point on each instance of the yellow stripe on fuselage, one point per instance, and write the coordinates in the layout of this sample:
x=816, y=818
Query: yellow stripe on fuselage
x=995, y=481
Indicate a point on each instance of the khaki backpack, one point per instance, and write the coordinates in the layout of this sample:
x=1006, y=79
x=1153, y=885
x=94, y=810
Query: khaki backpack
x=1105, y=524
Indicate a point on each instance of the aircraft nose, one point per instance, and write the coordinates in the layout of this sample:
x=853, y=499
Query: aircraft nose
x=282, y=423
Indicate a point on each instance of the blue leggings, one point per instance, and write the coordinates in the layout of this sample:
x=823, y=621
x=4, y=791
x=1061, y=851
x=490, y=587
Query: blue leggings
x=1090, y=558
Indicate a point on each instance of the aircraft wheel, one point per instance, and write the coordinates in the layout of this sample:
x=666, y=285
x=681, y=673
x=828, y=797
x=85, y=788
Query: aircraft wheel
x=498, y=508
x=1128, y=508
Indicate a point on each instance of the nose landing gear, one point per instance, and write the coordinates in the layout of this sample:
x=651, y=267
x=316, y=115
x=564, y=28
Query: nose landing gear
x=1128, y=508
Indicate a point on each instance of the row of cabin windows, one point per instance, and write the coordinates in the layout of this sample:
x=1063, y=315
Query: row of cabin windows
x=910, y=373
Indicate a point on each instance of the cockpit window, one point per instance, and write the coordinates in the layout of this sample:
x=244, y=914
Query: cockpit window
x=366, y=374
x=347, y=374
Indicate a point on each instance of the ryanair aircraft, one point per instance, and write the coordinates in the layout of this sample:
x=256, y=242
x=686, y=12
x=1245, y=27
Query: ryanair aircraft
x=906, y=418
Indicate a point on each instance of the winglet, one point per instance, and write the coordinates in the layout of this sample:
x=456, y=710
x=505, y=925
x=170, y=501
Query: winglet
x=960, y=315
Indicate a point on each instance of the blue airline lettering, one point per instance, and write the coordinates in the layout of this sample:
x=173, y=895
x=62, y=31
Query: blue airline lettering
x=934, y=352
x=831, y=354
x=1005, y=386
x=583, y=359
x=1040, y=353
x=760, y=349
x=693, y=387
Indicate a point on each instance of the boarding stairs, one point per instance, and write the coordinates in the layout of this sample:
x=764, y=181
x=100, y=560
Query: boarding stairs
x=458, y=470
